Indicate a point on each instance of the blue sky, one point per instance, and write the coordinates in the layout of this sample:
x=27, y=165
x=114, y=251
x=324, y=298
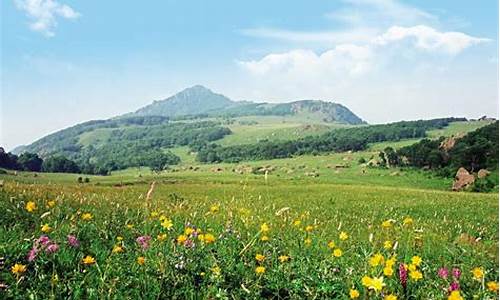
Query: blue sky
x=65, y=62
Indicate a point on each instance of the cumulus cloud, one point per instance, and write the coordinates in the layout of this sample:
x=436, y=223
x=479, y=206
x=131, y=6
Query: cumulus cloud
x=428, y=38
x=44, y=13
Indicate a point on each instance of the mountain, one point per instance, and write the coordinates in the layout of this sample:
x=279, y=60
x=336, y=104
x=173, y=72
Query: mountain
x=199, y=100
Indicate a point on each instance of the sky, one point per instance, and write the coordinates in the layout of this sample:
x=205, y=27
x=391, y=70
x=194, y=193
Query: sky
x=66, y=61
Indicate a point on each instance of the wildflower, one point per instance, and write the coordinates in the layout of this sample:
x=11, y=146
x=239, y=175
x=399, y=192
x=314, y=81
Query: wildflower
x=443, y=273
x=416, y=260
x=119, y=238
x=31, y=206
x=477, y=273
x=309, y=228
x=308, y=241
x=343, y=236
x=18, y=269
x=387, y=245
x=188, y=231
x=455, y=295
x=377, y=284
x=376, y=260
x=387, y=224
x=407, y=221
x=87, y=217
x=388, y=271
x=264, y=238
x=456, y=273
x=117, y=249
x=454, y=286
x=390, y=297
x=161, y=237
x=403, y=275
x=390, y=262
x=181, y=239
x=167, y=224
x=143, y=241
x=46, y=228
x=492, y=286
x=264, y=228
x=32, y=254
x=337, y=252
x=214, y=209
x=259, y=257
x=51, y=203
x=88, y=260
x=283, y=258
x=141, y=260
x=209, y=238
x=366, y=281
x=129, y=226
x=297, y=222
x=154, y=214
x=353, y=294
x=73, y=241
x=43, y=240
x=416, y=275
x=412, y=267
x=331, y=244
x=52, y=248
x=216, y=270
x=260, y=270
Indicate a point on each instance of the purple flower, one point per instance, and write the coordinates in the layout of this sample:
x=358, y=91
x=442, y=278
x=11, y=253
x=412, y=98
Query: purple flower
x=73, y=241
x=443, y=273
x=52, y=248
x=143, y=241
x=43, y=240
x=403, y=275
x=456, y=273
x=32, y=254
x=454, y=286
x=189, y=244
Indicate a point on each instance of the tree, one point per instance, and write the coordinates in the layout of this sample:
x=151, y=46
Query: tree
x=60, y=164
x=30, y=162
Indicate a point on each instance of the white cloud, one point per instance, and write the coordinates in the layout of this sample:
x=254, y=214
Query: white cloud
x=428, y=38
x=44, y=14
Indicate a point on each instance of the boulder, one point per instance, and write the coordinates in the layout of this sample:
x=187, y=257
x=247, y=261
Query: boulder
x=483, y=173
x=463, y=179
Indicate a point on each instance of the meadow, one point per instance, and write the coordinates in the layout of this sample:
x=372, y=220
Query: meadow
x=315, y=227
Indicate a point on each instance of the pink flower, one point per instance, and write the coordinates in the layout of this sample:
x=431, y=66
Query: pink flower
x=52, y=248
x=443, y=273
x=456, y=273
x=73, y=241
x=32, y=254
x=143, y=241
x=403, y=275
x=43, y=240
x=454, y=286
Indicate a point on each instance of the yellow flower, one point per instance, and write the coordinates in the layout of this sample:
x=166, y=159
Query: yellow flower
x=412, y=267
x=141, y=260
x=167, y=223
x=264, y=228
x=130, y=226
x=216, y=270
x=390, y=297
x=297, y=222
x=416, y=275
x=18, y=269
x=154, y=214
x=214, y=208
x=353, y=294
x=366, y=281
x=87, y=216
x=260, y=270
x=407, y=221
x=117, y=249
x=51, y=203
x=390, y=262
x=309, y=228
x=337, y=252
x=376, y=260
x=188, y=230
x=181, y=239
x=455, y=295
x=331, y=244
x=416, y=260
x=283, y=258
x=30, y=206
x=492, y=286
x=46, y=228
x=377, y=284
x=388, y=271
x=478, y=273
x=308, y=241
x=88, y=260
x=119, y=238
x=387, y=224
x=161, y=237
x=209, y=238
x=387, y=245
x=264, y=238
x=259, y=257
x=343, y=236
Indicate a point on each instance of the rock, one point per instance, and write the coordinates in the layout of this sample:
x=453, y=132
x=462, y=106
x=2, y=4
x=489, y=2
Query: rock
x=450, y=142
x=483, y=173
x=463, y=179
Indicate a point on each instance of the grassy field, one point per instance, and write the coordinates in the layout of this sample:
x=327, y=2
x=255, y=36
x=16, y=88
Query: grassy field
x=317, y=227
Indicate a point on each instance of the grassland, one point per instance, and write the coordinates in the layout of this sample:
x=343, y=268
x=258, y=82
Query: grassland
x=318, y=227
